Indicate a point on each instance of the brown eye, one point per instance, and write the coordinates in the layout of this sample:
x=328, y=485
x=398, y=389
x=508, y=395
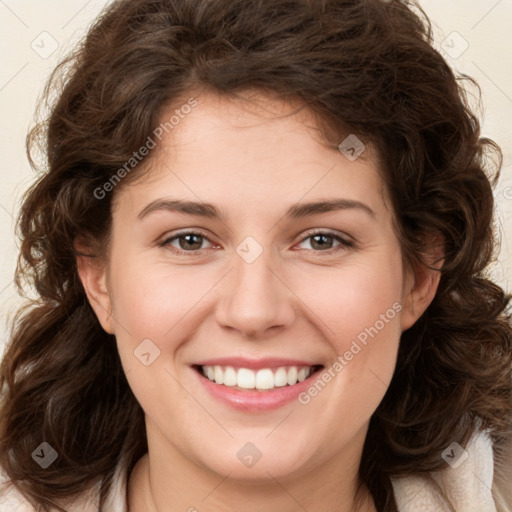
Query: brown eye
x=187, y=242
x=323, y=241
x=190, y=241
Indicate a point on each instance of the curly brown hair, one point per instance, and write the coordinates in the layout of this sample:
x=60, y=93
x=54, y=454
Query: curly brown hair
x=361, y=66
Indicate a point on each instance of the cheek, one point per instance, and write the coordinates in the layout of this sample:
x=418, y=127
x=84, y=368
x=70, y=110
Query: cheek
x=159, y=302
x=353, y=298
x=153, y=306
x=360, y=308
x=147, y=297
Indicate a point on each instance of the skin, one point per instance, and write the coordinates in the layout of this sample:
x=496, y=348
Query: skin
x=296, y=300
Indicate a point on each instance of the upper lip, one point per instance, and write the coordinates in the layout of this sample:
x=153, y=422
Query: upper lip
x=266, y=362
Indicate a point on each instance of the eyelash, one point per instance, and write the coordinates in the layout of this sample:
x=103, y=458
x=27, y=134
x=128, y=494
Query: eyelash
x=344, y=244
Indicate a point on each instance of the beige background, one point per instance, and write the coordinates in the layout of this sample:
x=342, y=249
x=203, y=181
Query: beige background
x=475, y=36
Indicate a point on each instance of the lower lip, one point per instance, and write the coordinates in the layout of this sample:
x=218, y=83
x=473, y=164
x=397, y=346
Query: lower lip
x=249, y=400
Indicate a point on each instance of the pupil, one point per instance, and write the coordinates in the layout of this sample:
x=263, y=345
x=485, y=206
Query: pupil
x=187, y=238
x=321, y=245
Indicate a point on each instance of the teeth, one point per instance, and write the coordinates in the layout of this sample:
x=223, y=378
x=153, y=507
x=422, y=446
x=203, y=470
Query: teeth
x=219, y=375
x=292, y=376
x=280, y=378
x=302, y=375
x=229, y=376
x=245, y=379
x=263, y=379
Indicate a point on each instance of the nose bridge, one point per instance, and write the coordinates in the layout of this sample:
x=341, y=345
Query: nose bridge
x=254, y=298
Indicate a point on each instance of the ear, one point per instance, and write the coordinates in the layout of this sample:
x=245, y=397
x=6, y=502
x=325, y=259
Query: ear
x=93, y=275
x=422, y=281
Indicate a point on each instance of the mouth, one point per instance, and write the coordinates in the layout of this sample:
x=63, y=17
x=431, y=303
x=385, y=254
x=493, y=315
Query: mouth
x=259, y=380
x=253, y=385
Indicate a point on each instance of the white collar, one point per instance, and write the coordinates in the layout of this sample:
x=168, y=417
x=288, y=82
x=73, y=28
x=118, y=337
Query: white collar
x=466, y=481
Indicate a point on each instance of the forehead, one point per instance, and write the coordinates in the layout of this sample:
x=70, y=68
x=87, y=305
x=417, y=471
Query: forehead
x=260, y=150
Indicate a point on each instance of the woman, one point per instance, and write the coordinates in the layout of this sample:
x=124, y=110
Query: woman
x=260, y=248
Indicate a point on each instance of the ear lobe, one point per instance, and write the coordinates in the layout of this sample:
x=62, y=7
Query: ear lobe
x=93, y=275
x=423, y=282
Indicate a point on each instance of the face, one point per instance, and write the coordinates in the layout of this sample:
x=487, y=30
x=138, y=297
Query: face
x=293, y=312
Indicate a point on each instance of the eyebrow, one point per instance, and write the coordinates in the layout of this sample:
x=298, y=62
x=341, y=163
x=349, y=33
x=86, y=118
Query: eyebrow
x=210, y=211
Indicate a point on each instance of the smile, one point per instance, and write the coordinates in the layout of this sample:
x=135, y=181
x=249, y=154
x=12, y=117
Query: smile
x=252, y=386
x=263, y=379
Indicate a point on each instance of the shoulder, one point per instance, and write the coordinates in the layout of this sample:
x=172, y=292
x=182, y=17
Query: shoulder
x=466, y=483
x=12, y=500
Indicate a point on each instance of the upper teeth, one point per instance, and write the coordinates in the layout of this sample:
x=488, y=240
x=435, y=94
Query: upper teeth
x=266, y=378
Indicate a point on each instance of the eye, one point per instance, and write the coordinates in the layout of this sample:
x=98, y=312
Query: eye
x=188, y=241
x=322, y=241
x=192, y=241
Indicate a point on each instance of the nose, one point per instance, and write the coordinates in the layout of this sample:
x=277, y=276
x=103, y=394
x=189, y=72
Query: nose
x=255, y=298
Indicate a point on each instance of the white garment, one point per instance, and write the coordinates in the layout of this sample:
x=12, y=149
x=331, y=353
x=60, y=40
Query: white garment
x=468, y=487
